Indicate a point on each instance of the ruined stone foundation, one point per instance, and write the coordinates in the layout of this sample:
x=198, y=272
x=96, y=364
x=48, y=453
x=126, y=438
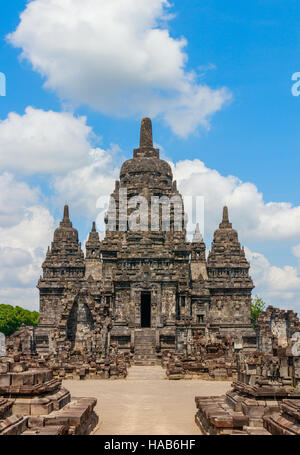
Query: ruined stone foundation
x=33, y=402
x=265, y=398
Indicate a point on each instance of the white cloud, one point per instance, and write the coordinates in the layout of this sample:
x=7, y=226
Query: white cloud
x=254, y=218
x=46, y=142
x=278, y=286
x=23, y=248
x=83, y=186
x=33, y=232
x=12, y=257
x=296, y=251
x=118, y=57
x=14, y=197
x=25, y=297
x=23, y=243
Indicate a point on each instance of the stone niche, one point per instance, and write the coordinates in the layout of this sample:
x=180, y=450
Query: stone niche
x=79, y=324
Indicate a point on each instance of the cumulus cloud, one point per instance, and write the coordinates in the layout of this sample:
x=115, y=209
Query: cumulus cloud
x=23, y=248
x=255, y=219
x=279, y=286
x=14, y=197
x=118, y=57
x=82, y=187
x=46, y=142
x=25, y=297
x=12, y=257
x=251, y=215
x=23, y=242
x=33, y=232
x=296, y=251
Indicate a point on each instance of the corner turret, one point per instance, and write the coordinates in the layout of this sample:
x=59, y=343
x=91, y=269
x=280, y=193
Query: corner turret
x=93, y=263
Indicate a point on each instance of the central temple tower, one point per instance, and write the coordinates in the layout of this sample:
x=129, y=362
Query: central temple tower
x=145, y=253
x=144, y=288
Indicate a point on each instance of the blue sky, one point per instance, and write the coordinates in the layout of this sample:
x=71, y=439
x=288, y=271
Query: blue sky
x=250, y=48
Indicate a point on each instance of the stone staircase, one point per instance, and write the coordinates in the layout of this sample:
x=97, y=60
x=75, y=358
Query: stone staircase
x=144, y=347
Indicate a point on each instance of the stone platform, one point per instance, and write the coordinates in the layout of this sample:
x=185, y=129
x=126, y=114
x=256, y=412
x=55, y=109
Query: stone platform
x=287, y=422
x=33, y=402
x=249, y=410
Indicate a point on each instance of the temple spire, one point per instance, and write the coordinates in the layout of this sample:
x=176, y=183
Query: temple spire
x=197, y=237
x=146, y=139
x=66, y=213
x=225, y=220
x=94, y=227
x=225, y=215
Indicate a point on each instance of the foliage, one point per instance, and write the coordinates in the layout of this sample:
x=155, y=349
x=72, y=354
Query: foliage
x=257, y=307
x=11, y=318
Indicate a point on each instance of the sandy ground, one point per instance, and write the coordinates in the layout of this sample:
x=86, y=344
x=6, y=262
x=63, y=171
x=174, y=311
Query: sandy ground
x=146, y=403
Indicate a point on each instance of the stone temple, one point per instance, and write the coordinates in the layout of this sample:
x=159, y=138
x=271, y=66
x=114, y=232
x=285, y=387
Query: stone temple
x=144, y=290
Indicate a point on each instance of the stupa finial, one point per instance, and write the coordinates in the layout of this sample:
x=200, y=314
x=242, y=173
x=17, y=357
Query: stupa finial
x=66, y=213
x=146, y=139
x=197, y=237
x=225, y=215
x=225, y=224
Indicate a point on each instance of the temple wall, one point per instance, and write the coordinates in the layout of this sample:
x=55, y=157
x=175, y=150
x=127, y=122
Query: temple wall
x=230, y=308
x=93, y=268
x=198, y=269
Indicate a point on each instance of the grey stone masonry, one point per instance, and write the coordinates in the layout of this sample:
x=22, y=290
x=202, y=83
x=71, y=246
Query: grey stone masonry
x=145, y=290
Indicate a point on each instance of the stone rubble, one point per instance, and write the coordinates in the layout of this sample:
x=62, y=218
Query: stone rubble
x=33, y=401
x=266, y=395
x=66, y=364
x=207, y=359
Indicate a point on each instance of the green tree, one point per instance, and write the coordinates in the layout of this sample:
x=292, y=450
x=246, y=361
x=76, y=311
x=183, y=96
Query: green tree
x=257, y=307
x=11, y=318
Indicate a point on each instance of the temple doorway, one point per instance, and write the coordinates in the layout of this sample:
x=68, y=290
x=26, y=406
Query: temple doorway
x=146, y=309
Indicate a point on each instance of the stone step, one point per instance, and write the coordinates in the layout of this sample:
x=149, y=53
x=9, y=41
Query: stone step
x=145, y=358
x=145, y=351
x=145, y=354
x=145, y=347
x=145, y=330
x=144, y=340
x=147, y=342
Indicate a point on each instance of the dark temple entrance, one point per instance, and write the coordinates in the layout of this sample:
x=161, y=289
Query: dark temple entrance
x=146, y=309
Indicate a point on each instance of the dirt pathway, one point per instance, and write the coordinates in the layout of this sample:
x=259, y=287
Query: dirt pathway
x=146, y=403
